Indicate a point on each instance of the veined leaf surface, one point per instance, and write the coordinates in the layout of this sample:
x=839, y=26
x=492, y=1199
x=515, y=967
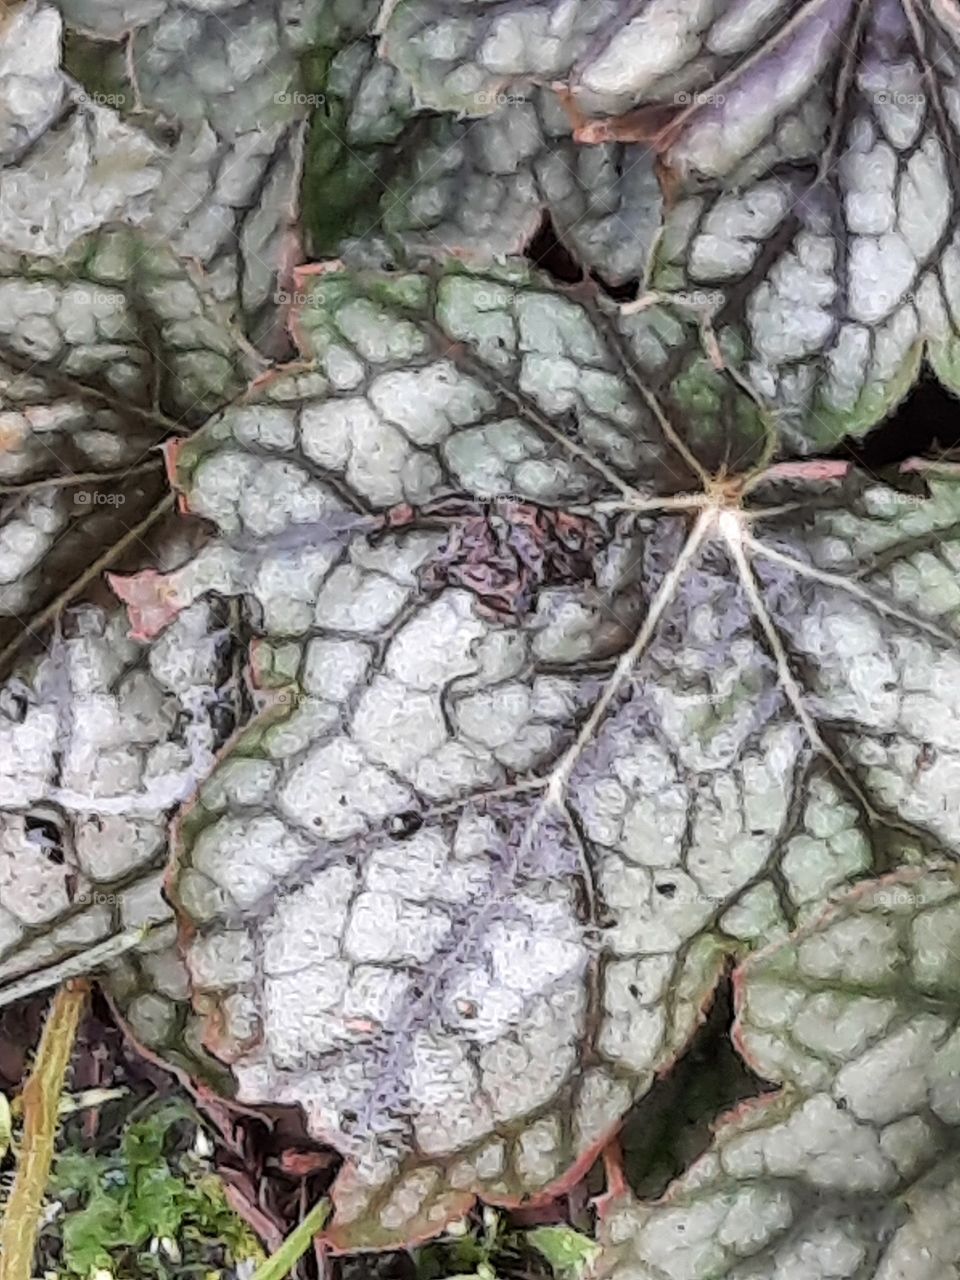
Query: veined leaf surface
x=809, y=152
x=541, y=757
x=852, y=1170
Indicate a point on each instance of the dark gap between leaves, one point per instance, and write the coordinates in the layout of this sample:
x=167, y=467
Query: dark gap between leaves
x=46, y=835
x=927, y=421
x=391, y=1265
x=628, y=291
x=547, y=252
x=671, y=1127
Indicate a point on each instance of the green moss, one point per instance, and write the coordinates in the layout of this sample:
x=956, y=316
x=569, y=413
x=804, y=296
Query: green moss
x=144, y=1191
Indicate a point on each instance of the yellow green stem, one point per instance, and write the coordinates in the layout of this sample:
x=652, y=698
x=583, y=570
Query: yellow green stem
x=295, y=1245
x=40, y=1103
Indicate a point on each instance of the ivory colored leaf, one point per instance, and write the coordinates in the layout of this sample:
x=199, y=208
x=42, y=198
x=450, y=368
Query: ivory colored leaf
x=810, y=153
x=530, y=774
x=70, y=164
x=31, y=92
x=105, y=355
x=829, y=216
x=458, y=59
x=100, y=739
x=573, y=684
x=852, y=1170
x=109, y=348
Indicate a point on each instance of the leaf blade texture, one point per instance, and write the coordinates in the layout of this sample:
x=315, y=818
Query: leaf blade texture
x=524, y=829
x=808, y=150
x=573, y=683
x=852, y=1167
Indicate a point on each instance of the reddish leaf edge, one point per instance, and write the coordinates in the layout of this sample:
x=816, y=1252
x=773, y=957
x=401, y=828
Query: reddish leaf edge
x=339, y=1240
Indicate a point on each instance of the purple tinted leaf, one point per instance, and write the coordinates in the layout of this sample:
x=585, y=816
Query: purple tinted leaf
x=469, y=884
x=808, y=150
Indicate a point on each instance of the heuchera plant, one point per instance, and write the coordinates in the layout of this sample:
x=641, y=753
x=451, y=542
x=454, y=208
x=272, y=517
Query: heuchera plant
x=542, y=663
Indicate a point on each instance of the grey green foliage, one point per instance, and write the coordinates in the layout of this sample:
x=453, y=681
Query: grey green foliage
x=851, y=1171
x=565, y=679
x=621, y=776
x=810, y=149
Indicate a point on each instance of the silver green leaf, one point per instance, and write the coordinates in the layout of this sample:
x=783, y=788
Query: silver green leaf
x=852, y=1170
x=169, y=118
x=70, y=164
x=822, y=206
x=527, y=775
x=386, y=180
x=105, y=355
x=810, y=153
x=100, y=739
